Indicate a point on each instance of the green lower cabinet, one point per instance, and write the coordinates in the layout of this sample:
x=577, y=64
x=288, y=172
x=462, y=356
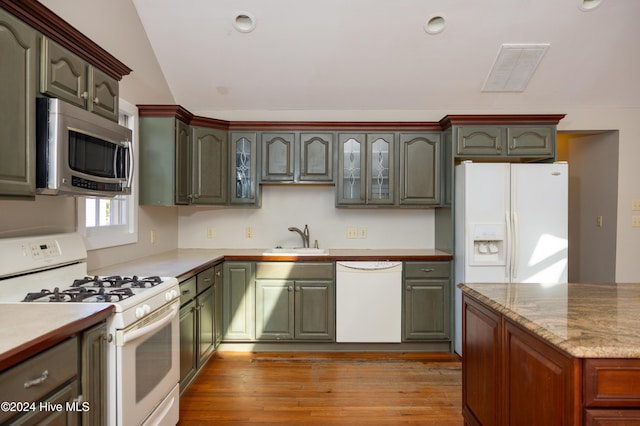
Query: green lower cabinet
x=427, y=301
x=187, y=344
x=314, y=310
x=295, y=310
x=274, y=310
x=238, y=301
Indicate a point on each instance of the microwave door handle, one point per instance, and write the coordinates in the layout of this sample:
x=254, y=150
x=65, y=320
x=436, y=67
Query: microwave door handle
x=130, y=174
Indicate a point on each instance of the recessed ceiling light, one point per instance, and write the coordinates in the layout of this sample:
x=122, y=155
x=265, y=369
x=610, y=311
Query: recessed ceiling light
x=435, y=24
x=244, y=22
x=588, y=5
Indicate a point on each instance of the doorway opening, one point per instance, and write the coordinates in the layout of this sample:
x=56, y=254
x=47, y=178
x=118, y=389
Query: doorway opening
x=593, y=201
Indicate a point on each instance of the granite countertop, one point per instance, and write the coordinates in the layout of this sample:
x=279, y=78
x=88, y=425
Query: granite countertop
x=181, y=263
x=32, y=328
x=584, y=320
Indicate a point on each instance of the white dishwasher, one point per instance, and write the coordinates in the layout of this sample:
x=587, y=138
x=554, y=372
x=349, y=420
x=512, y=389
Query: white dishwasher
x=369, y=302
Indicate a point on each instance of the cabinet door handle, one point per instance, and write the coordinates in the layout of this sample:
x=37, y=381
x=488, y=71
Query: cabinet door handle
x=290, y=288
x=84, y=95
x=96, y=101
x=43, y=376
x=427, y=269
x=408, y=288
x=186, y=291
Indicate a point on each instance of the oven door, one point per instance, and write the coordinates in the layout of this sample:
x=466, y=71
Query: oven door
x=148, y=367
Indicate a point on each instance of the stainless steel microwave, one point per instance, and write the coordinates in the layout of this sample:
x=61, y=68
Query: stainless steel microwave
x=80, y=153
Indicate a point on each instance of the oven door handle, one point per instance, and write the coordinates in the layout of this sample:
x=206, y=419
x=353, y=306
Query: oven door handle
x=131, y=335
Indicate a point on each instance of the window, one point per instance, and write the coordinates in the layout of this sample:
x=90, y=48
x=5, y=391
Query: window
x=108, y=222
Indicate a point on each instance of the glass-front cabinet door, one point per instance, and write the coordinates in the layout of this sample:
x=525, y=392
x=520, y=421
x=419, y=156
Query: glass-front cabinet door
x=366, y=169
x=243, y=168
x=380, y=170
x=351, y=168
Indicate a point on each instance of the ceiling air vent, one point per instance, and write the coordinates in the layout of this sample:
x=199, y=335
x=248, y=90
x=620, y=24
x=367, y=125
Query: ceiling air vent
x=514, y=67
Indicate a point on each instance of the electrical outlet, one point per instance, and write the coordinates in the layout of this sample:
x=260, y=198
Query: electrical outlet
x=352, y=232
x=152, y=236
x=635, y=205
x=635, y=221
x=363, y=232
x=248, y=232
x=211, y=232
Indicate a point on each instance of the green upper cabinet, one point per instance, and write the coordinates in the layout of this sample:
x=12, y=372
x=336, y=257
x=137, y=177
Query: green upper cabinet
x=277, y=156
x=538, y=141
x=297, y=157
x=181, y=164
x=164, y=161
x=525, y=141
x=380, y=168
x=366, y=169
x=420, y=170
x=209, y=165
x=351, y=169
x=243, y=151
x=17, y=107
x=66, y=76
x=316, y=157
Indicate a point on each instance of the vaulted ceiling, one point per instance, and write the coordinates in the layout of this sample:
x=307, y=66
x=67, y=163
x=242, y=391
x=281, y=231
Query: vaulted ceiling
x=382, y=55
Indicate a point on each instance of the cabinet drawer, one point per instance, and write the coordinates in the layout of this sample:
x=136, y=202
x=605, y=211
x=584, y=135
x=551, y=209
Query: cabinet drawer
x=205, y=280
x=294, y=270
x=188, y=290
x=611, y=417
x=36, y=377
x=612, y=382
x=426, y=269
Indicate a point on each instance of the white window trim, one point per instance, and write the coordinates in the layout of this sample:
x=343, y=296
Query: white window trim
x=97, y=238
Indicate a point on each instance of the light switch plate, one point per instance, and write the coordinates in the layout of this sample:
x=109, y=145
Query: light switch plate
x=635, y=205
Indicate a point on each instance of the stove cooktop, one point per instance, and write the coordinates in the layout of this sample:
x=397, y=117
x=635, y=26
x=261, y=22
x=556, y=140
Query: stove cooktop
x=97, y=289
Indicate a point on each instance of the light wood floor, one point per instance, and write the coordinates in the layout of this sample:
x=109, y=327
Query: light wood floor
x=324, y=389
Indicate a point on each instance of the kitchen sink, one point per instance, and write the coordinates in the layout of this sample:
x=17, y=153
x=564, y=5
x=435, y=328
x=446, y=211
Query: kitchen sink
x=299, y=251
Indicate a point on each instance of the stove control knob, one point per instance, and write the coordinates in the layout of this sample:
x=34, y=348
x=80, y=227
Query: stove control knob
x=170, y=295
x=142, y=311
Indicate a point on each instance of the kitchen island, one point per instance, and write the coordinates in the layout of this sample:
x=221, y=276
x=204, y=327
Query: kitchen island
x=565, y=354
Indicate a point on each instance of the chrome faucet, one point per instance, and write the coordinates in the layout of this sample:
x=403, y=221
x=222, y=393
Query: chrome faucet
x=303, y=234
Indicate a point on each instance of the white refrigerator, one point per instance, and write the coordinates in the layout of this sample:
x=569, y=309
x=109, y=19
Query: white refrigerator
x=511, y=224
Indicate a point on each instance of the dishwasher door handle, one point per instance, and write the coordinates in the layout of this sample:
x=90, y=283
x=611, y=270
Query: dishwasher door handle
x=368, y=266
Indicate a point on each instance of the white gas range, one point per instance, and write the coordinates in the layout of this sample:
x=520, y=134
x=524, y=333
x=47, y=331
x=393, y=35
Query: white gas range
x=143, y=334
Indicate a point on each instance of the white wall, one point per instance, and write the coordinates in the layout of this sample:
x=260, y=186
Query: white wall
x=115, y=25
x=287, y=205
x=627, y=121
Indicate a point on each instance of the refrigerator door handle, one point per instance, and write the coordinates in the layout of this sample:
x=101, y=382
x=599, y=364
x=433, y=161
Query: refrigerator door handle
x=514, y=260
x=508, y=247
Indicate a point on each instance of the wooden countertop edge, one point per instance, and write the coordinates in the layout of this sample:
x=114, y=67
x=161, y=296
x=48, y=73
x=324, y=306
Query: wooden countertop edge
x=338, y=258
x=47, y=340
